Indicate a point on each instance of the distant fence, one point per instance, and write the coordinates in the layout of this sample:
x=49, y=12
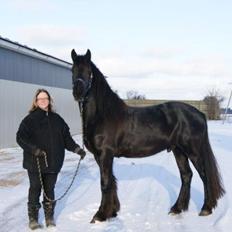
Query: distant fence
x=200, y=105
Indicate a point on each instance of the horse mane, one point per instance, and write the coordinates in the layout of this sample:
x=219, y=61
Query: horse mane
x=109, y=105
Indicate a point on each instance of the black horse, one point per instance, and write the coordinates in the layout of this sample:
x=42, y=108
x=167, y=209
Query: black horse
x=113, y=129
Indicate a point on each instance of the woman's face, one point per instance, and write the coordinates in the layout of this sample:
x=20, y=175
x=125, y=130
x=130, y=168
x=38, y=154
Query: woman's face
x=42, y=101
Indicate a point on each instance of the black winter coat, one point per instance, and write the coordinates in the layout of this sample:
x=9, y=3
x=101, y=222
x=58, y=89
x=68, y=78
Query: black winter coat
x=49, y=132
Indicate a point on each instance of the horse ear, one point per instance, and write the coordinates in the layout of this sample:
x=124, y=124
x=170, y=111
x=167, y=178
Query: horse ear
x=88, y=55
x=73, y=55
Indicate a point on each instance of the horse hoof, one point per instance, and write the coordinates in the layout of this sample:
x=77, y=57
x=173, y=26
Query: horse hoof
x=205, y=212
x=93, y=221
x=174, y=212
x=114, y=214
x=98, y=218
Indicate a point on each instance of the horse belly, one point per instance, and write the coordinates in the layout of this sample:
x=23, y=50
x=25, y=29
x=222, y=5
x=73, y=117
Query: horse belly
x=136, y=148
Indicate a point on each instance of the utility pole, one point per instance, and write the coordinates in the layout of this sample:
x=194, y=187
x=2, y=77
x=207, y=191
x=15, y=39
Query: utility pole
x=224, y=118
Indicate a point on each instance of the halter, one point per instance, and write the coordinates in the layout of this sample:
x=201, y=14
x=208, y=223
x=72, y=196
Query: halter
x=84, y=98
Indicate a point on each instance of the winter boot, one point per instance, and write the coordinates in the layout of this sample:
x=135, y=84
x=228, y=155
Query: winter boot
x=49, y=213
x=33, y=213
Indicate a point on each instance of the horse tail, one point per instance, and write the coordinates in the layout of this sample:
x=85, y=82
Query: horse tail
x=213, y=178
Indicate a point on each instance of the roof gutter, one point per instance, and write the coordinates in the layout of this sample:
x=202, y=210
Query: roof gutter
x=22, y=49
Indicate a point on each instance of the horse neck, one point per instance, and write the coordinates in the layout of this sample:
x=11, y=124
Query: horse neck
x=102, y=99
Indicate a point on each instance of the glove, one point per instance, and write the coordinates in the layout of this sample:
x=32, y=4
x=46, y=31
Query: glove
x=80, y=152
x=39, y=153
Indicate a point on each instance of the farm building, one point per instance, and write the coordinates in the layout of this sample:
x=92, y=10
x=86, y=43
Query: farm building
x=22, y=71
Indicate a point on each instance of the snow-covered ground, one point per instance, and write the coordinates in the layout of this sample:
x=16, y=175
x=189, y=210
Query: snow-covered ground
x=147, y=188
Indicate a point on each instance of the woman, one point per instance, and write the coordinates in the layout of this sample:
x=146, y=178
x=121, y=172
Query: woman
x=44, y=133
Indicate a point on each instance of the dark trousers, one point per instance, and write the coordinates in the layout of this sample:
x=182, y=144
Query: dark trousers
x=49, y=181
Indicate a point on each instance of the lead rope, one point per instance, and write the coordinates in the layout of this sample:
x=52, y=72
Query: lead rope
x=41, y=180
x=46, y=164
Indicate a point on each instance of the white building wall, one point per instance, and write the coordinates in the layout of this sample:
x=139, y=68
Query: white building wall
x=16, y=99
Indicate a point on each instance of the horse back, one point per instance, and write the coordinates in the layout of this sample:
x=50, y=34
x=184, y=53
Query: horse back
x=149, y=130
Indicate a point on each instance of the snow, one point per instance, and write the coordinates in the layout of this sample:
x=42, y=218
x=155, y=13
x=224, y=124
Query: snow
x=147, y=188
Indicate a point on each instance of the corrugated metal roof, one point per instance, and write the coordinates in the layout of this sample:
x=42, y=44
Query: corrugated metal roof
x=23, y=49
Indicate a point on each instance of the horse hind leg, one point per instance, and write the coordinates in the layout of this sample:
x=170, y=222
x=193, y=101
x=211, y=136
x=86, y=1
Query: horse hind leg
x=206, y=165
x=182, y=201
x=199, y=166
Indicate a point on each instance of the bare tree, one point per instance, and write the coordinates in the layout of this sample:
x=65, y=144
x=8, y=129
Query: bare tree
x=213, y=100
x=132, y=94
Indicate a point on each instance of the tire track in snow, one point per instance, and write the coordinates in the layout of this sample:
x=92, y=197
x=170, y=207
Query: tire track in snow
x=10, y=221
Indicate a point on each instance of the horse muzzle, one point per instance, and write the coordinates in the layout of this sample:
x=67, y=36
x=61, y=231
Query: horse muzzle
x=79, y=89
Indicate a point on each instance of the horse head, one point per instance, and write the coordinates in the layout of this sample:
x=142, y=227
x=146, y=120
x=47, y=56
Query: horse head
x=81, y=74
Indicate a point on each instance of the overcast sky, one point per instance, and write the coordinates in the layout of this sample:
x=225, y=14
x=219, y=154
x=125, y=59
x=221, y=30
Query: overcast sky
x=169, y=49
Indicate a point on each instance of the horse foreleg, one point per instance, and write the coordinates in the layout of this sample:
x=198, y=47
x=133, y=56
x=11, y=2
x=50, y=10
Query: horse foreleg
x=109, y=202
x=116, y=203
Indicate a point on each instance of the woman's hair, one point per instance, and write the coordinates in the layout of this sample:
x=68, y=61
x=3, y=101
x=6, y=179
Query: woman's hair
x=34, y=105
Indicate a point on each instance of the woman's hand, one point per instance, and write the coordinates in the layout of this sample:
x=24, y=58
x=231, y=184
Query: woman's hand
x=80, y=152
